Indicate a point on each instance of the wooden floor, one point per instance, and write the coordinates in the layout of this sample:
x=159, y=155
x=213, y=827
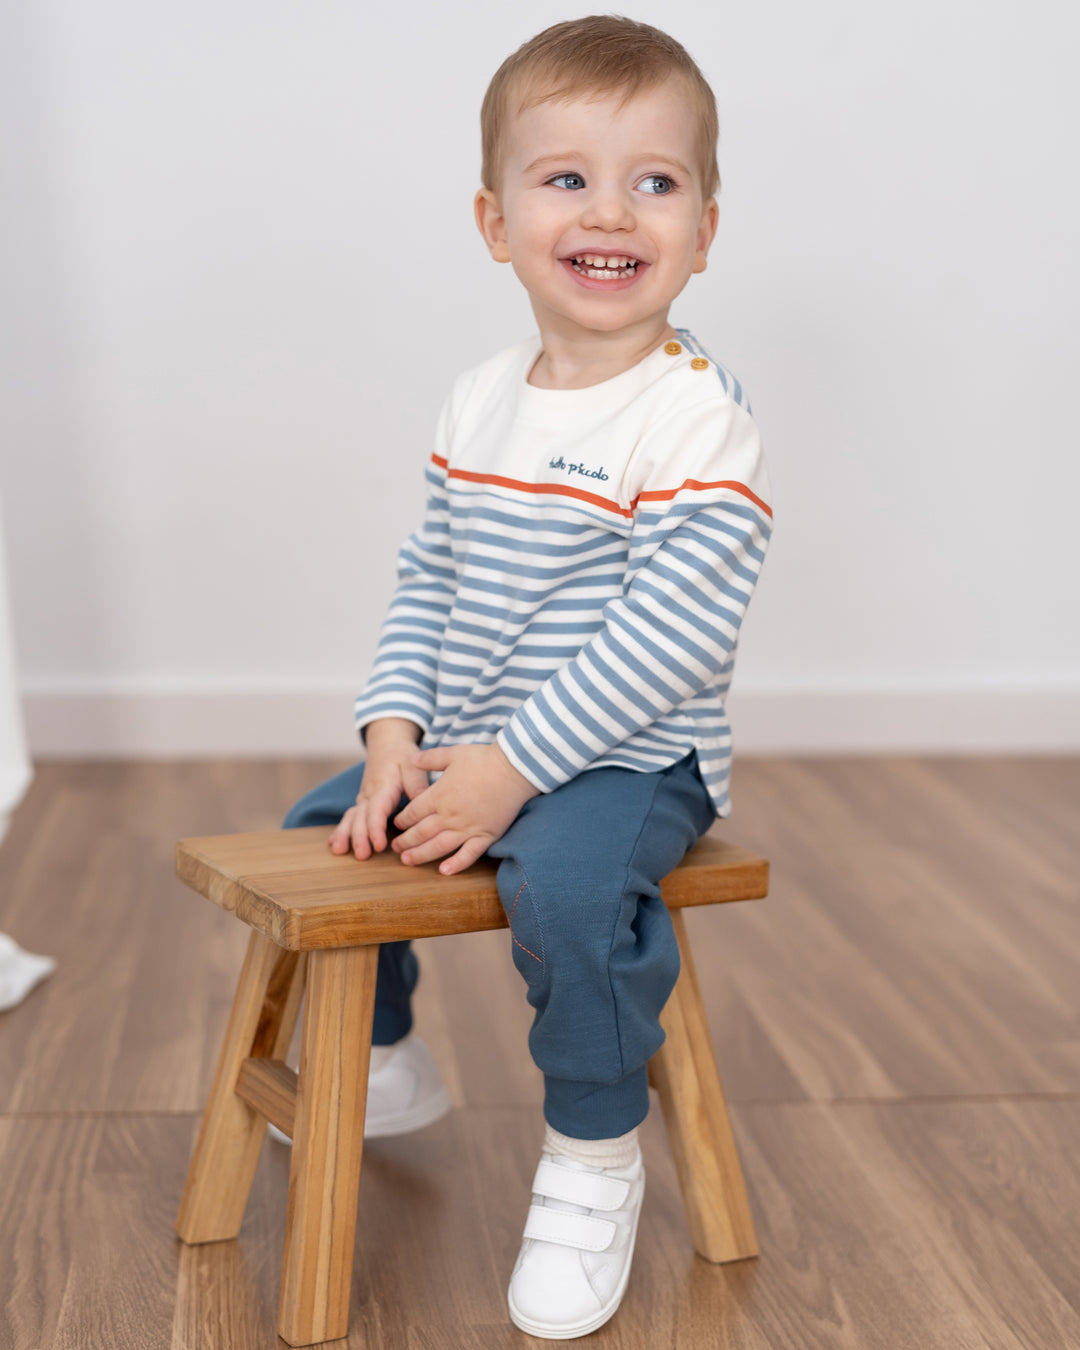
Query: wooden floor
x=897, y=1028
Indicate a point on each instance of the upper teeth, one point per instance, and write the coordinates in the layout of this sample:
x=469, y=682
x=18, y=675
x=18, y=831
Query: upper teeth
x=599, y=260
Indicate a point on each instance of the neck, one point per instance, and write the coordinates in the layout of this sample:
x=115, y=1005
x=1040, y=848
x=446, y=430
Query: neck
x=578, y=359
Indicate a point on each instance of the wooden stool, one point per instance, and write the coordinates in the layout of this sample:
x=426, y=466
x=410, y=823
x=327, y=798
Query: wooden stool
x=321, y=917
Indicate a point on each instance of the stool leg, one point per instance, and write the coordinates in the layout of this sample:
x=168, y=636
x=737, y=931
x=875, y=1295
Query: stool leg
x=227, y=1150
x=316, y=1275
x=684, y=1073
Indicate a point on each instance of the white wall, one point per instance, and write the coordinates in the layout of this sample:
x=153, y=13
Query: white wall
x=238, y=270
x=15, y=769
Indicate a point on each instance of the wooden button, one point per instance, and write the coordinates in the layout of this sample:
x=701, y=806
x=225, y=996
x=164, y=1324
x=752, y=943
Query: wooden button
x=699, y=363
x=673, y=348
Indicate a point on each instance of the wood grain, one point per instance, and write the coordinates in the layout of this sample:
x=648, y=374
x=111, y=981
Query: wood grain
x=897, y=1031
x=685, y=1074
x=231, y=1135
x=316, y=1274
x=258, y=876
x=269, y=1087
x=288, y=885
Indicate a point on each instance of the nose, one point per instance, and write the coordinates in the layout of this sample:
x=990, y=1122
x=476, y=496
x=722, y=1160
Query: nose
x=608, y=208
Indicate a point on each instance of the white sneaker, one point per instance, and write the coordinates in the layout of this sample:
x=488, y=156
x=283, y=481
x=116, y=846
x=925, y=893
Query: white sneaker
x=405, y=1090
x=575, y=1259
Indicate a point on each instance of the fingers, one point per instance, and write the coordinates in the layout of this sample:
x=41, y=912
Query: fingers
x=443, y=842
x=378, y=811
x=418, y=807
x=363, y=826
x=466, y=855
x=437, y=758
x=342, y=832
x=416, y=781
x=420, y=833
x=422, y=843
x=432, y=841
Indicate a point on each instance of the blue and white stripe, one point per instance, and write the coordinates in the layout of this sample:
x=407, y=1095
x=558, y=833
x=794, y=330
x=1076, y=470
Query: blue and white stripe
x=577, y=637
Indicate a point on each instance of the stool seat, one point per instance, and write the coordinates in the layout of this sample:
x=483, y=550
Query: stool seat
x=318, y=920
x=288, y=885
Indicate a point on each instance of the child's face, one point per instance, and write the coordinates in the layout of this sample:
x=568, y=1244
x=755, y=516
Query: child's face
x=580, y=181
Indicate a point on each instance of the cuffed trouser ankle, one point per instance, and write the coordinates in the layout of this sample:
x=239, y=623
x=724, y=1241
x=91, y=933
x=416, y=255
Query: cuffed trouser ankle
x=596, y=1110
x=579, y=877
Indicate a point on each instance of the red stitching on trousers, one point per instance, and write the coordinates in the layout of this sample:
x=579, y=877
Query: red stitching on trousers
x=511, y=923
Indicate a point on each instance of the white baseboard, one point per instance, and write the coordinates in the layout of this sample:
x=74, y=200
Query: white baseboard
x=189, y=722
x=221, y=722
x=906, y=722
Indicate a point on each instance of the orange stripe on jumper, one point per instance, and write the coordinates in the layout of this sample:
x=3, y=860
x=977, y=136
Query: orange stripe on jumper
x=563, y=490
x=668, y=493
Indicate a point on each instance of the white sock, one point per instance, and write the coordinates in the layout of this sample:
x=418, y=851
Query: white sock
x=619, y=1152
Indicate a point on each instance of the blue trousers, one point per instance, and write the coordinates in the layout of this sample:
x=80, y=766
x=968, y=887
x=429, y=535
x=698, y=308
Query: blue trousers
x=579, y=873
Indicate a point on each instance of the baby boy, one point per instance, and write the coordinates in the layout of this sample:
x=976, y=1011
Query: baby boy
x=563, y=632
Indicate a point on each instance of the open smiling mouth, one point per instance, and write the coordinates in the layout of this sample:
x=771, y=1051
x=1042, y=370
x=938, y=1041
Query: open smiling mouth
x=604, y=266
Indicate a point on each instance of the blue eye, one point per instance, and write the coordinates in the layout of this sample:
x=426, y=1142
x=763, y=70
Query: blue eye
x=575, y=185
x=664, y=184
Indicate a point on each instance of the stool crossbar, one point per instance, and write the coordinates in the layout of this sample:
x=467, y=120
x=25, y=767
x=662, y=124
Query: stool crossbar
x=317, y=920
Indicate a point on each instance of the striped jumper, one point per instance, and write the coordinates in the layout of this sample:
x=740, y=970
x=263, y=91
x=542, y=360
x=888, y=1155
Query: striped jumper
x=585, y=559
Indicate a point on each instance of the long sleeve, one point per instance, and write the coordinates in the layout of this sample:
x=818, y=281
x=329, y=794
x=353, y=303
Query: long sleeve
x=701, y=525
x=402, y=680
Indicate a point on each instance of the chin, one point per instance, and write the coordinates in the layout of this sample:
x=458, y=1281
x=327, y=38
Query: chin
x=609, y=321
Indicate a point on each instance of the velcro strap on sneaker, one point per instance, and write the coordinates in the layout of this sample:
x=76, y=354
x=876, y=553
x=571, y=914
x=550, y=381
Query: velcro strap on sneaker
x=580, y=1188
x=569, y=1230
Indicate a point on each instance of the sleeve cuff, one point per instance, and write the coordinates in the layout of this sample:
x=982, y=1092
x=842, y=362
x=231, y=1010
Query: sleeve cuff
x=523, y=749
x=363, y=720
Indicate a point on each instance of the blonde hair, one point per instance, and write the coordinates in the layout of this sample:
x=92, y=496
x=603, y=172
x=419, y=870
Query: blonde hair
x=601, y=54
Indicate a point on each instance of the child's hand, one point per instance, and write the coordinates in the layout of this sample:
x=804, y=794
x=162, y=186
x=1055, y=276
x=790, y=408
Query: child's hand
x=388, y=772
x=474, y=803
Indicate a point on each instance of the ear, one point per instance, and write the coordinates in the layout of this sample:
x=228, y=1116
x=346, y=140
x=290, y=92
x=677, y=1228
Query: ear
x=491, y=223
x=710, y=217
